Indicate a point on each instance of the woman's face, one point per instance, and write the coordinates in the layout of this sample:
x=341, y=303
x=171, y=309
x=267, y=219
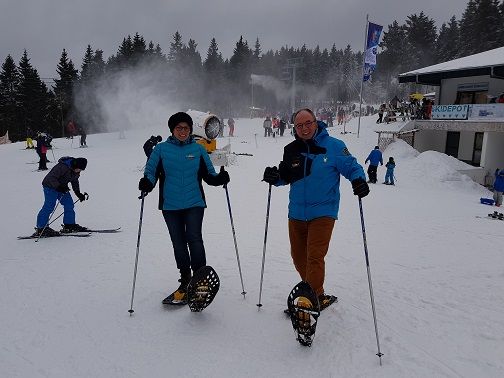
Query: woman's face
x=182, y=131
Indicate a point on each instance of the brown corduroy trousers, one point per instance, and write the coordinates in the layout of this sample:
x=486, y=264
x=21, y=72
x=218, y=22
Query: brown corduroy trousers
x=309, y=244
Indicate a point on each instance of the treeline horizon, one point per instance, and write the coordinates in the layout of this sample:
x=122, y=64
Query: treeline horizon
x=229, y=87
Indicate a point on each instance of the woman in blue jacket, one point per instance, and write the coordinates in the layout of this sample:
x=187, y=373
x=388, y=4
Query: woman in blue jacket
x=180, y=164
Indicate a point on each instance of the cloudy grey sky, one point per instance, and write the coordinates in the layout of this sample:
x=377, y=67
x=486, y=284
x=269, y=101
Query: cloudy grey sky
x=45, y=27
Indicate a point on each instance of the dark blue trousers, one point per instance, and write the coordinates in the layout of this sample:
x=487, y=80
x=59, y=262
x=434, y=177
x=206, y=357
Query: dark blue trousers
x=185, y=231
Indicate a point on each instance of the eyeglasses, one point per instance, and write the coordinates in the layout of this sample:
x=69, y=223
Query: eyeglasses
x=299, y=126
x=182, y=128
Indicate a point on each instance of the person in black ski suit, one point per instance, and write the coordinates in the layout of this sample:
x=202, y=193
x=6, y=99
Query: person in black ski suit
x=55, y=185
x=150, y=144
x=43, y=144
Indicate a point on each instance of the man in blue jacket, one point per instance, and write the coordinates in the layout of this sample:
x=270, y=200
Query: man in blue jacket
x=498, y=187
x=374, y=158
x=312, y=165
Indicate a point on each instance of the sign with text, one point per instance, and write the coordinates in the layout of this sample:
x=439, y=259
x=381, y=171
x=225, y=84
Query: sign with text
x=486, y=111
x=450, y=111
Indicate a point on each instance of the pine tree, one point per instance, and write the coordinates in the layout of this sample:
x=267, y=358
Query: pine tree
x=32, y=101
x=468, y=29
x=176, y=50
x=421, y=34
x=64, y=86
x=86, y=67
x=488, y=25
x=448, y=41
x=9, y=85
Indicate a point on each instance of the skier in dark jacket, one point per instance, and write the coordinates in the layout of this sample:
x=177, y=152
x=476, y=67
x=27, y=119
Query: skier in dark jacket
x=180, y=164
x=375, y=157
x=312, y=165
x=55, y=186
x=43, y=144
x=150, y=144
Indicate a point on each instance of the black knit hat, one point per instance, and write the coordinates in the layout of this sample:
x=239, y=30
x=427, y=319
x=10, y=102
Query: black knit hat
x=80, y=163
x=176, y=118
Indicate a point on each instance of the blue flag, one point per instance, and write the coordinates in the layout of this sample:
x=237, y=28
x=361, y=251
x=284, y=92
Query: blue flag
x=373, y=38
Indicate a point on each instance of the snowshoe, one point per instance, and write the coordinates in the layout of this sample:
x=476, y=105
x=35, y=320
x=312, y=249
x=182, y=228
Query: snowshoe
x=69, y=228
x=202, y=288
x=304, y=311
x=326, y=300
x=179, y=296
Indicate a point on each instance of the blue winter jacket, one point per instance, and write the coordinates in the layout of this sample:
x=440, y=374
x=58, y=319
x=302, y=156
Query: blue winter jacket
x=375, y=157
x=180, y=167
x=313, y=169
x=499, y=181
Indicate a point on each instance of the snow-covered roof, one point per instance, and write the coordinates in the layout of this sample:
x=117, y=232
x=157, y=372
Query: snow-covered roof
x=482, y=63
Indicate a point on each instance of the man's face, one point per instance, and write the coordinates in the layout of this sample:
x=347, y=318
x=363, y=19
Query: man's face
x=305, y=125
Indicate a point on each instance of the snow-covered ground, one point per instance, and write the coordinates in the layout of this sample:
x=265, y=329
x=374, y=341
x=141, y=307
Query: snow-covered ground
x=437, y=272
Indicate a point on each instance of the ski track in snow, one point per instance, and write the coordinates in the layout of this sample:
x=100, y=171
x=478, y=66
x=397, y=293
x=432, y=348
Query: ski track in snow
x=436, y=270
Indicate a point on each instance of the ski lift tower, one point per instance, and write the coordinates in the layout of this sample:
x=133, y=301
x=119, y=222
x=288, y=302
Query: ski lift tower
x=293, y=64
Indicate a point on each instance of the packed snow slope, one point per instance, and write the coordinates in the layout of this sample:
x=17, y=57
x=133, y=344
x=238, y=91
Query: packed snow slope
x=437, y=273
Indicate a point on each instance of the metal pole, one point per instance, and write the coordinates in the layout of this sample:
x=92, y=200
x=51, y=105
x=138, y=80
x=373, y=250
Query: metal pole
x=379, y=354
x=142, y=196
x=234, y=238
x=362, y=74
x=264, y=246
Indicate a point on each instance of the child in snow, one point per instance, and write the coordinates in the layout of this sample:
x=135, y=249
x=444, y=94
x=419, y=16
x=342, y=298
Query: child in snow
x=498, y=186
x=390, y=171
x=55, y=186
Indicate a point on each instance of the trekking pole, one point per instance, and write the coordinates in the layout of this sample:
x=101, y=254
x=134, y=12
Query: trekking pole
x=264, y=246
x=77, y=200
x=47, y=224
x=234, y=238
x=142, y=196
x=379, y=354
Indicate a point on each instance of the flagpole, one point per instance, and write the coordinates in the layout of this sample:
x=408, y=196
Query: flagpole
x=362, y=73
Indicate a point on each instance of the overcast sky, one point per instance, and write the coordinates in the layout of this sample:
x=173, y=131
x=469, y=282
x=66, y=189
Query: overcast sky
x=45, y=27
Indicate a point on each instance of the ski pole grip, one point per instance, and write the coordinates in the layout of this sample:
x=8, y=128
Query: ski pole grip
x=86, y=195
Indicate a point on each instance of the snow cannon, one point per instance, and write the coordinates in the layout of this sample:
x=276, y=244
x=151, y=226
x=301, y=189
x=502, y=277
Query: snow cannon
x=206, y=127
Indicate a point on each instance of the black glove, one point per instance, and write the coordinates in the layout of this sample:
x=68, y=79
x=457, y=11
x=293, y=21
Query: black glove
x=62, y=188
x=145, y=185
x=223, y=176
x=360, y=187
x=271, y=175
x=80, y=196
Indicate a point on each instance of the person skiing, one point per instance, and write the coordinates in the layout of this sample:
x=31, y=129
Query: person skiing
x=389, y=176
x=312, y=165
x=55, y=186
x=231, y=125
x=83, y=136
x=267, y=126
x=184, y=164
x=43, y=144
x=150, y=144
x=498, y=187
x=374, y=158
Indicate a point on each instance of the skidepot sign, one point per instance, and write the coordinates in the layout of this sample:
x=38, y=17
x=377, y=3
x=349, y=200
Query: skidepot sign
x=450, y=111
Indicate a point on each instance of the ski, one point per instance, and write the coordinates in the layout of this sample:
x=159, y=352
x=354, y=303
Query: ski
x=81, y=235
x=202, y=288
x=304, y=311
x=105, y=231
x=98, y=231
x=494, y=216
